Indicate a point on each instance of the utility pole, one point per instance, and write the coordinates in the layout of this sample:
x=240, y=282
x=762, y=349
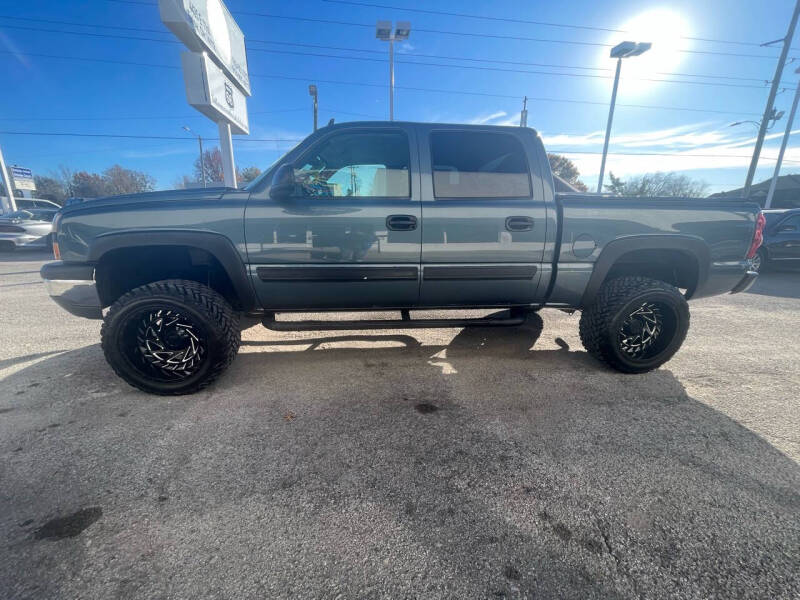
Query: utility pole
x=762, y=130
x=785, y=141
x=202, y=160
x=312, y=91
x=10, y=205
x=523, y=116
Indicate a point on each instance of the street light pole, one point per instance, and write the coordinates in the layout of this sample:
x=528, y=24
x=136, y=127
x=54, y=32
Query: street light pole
x=762, y=130
x=12, y=205
x=383, y=31
x=391, y=78
x=785, y=141
x=608, y=127
x=620, y=51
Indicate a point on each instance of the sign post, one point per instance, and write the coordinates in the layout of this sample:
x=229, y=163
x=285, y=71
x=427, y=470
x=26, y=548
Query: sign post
x=8, y=203
x=215, y=70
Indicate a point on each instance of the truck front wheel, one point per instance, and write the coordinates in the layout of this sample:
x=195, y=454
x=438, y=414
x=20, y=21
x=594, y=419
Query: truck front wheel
x=635, y=324
x=170, y=337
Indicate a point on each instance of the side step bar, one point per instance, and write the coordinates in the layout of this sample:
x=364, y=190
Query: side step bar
x=514, y=320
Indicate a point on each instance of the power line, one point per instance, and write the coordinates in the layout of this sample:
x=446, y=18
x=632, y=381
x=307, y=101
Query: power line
x=456, y=33
x=529, y=21
x=143, y=118
x=498, y=69
x=498, y=61
x=319, y=46
x=399, y=87
x=249, y=139
x=137, y=136
x=383, y=60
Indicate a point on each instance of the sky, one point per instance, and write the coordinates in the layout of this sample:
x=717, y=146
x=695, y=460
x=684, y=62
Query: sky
x=118, y=73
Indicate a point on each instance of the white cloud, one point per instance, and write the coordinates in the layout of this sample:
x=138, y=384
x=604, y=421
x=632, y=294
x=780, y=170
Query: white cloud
x=487, y=118
x=693, y=147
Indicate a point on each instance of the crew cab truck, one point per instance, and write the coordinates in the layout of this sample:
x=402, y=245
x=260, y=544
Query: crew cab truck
x=391, y=216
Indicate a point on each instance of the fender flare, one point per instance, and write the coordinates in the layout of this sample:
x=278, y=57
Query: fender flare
x=216, y=244
x=690, y=245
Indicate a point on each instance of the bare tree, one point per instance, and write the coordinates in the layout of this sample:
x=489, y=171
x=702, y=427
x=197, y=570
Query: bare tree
x=566, y=169
x=657, y=184
x=212, y=160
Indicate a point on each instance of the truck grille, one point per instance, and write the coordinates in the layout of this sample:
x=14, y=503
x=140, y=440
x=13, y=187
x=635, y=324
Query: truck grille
x=11, y=229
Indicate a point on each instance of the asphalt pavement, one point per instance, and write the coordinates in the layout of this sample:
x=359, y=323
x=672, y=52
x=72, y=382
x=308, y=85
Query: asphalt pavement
x=444, y=463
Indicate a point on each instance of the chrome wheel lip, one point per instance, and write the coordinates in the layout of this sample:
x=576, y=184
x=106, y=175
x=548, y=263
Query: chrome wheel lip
x=756, y=262
x=169, y=343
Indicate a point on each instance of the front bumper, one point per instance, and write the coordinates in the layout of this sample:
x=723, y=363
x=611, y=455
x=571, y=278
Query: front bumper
x=73, y=288
x=744, y=285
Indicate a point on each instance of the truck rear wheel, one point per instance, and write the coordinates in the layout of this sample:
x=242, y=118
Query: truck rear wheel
x=635, y=324
x=170, y=337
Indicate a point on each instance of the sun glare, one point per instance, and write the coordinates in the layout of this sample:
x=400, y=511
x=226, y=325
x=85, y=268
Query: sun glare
x=664, y=29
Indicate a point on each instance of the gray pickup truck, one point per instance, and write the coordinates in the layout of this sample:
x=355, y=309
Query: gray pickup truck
x=391, y=216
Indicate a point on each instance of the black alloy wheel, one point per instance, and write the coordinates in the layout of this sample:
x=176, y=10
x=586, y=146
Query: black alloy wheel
x=170, y=337
x=635, y=324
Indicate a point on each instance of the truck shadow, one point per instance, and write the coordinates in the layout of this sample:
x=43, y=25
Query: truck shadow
x=482, y=465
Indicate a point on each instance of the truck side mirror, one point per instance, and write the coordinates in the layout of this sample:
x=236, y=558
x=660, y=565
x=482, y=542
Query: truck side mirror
x=283, y=184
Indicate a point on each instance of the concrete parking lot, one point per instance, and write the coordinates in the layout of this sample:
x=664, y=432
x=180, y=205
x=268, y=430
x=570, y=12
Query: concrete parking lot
x=396, y=464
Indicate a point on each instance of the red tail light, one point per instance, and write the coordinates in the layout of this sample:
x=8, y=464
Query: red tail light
x=758, y=235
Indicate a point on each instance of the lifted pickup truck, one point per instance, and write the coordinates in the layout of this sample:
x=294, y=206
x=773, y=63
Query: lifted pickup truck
x=391, y=216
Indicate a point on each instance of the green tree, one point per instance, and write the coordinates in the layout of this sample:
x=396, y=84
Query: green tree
x=566, y=169
x=657, y=184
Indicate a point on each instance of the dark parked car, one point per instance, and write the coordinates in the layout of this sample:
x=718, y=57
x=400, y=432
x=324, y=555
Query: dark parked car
x=392, y=216
x=781, y=239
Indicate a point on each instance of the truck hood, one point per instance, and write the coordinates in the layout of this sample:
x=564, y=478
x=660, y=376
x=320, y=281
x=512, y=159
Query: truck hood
x=212, y=194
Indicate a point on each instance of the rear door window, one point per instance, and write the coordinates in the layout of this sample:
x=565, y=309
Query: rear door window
x=478, y=164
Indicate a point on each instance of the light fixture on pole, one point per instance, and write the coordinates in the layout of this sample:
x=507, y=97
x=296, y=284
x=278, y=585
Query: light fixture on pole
x=785, y=141
x=775, y=115
x=312, y=91
x=383, y=31
x=620, y=51
x=202, y=161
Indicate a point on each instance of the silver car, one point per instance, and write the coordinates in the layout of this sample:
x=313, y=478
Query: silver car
x=26, y=229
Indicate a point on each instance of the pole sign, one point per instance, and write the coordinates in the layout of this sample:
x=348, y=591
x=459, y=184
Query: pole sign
x=209, y=90
x=207, y=26
x=22, y=178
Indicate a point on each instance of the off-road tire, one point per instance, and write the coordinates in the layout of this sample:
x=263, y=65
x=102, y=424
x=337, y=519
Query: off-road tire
x=216, y=322
x=601, y=323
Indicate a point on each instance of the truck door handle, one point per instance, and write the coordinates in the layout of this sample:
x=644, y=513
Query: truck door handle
x=401, y=222
x=519, y=223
